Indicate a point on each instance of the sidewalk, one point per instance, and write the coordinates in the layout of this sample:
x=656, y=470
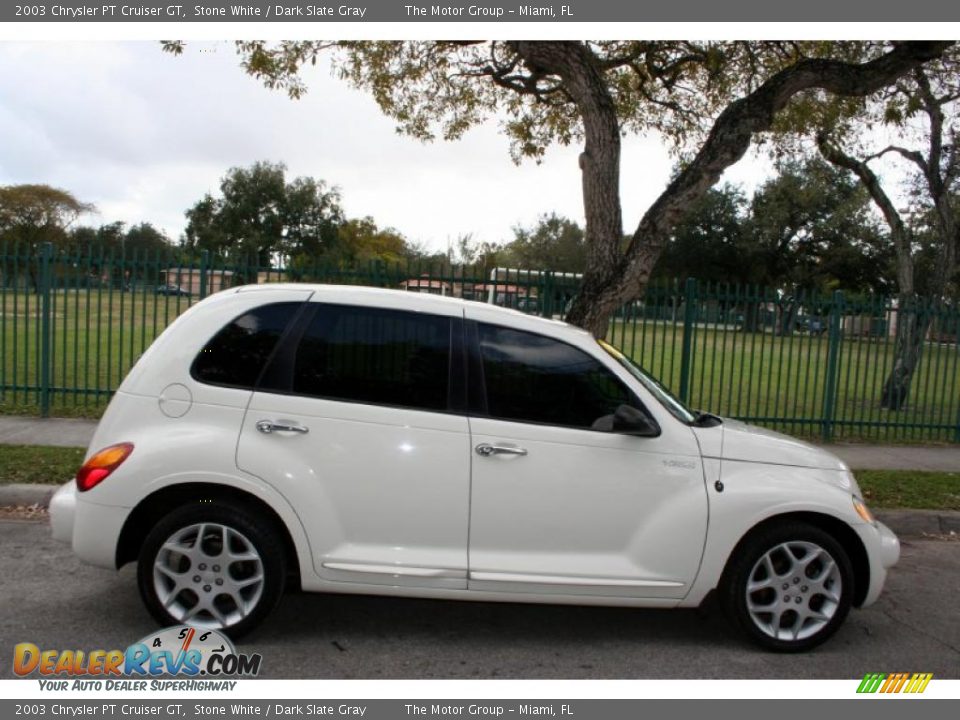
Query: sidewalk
x=71, y=432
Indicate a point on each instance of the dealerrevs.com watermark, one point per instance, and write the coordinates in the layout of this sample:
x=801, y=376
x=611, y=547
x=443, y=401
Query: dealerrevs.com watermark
x=196, y=658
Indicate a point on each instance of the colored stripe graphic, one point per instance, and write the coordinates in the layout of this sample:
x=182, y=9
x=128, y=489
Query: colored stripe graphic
x=894, y=683
x=870, y=682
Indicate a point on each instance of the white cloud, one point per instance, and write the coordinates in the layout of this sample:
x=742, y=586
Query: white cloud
x=144, y=135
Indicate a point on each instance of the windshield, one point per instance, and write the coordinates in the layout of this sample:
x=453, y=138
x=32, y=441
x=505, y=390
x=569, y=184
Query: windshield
x=664, y=396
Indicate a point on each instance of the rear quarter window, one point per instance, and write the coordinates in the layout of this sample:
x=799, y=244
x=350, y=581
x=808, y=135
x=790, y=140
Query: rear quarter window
x=237, y=354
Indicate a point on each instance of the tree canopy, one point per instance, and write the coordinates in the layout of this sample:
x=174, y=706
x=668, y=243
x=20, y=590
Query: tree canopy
x=259, y=213
x=33, y=214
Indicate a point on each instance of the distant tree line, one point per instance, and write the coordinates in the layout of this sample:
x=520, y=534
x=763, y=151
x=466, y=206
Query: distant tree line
x=812, y=226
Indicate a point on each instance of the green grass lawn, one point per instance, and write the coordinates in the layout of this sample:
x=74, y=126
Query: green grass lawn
x=38, y=464
x=910, y=489
x=881, y=488
x=777, y=381
x=781, y=381
x=96, y=337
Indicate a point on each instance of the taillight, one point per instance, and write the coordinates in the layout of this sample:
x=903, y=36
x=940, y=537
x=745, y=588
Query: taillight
x=104, y=462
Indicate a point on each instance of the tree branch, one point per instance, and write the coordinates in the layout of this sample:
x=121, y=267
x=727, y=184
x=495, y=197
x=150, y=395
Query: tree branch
x=730, y=137
x=912, y=155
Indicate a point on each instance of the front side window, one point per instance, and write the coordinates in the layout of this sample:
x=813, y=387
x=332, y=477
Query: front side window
x=533, y=378
x=375, y=356
x=235, y=356
x=654, y=386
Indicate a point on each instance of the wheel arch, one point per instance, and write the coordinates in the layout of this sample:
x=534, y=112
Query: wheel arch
x=838, y=529
x=160, y=502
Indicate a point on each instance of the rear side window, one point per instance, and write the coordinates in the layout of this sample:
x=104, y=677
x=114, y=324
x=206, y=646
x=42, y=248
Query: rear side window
x=375, y=356
x=533, y=378
x=235, y=356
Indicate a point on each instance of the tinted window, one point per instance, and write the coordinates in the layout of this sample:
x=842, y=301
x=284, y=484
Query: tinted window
x=236, y=355
x=371, y=355
x=532, y=378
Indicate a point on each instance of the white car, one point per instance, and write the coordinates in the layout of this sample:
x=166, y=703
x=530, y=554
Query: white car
x=356, y=440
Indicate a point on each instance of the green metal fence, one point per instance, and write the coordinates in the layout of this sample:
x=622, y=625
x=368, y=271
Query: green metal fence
x=72, y=323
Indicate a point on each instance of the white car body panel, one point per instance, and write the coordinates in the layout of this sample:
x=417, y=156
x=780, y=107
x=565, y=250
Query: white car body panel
x=393, y=501
x=376, y=486
x=614, y=514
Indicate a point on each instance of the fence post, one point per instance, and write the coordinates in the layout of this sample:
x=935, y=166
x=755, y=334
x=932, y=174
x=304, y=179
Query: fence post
x=204, y=269
x=833, y=355
x=689, y=316
x=546, y=294
x=46, y=255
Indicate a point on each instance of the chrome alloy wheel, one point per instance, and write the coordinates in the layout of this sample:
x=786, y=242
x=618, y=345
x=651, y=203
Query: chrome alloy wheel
x=208, y=575
x=793, y=590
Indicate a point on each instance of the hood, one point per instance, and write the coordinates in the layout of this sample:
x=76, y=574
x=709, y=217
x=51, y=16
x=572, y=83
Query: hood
x=749, y=443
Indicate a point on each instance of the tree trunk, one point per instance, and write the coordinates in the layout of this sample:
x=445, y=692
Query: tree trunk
x=751, y=317
x=599, y=162
x=787, y=319
x=912, y=326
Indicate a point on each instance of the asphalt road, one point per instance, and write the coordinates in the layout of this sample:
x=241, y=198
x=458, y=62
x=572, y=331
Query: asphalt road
x=49, y=598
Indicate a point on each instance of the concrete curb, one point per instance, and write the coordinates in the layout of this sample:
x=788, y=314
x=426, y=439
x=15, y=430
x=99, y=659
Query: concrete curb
x=905, y=523
x=26, y=494
x=917, y=523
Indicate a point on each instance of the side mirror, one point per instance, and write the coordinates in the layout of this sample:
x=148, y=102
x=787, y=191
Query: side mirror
x=631, y=421
x=628, y=420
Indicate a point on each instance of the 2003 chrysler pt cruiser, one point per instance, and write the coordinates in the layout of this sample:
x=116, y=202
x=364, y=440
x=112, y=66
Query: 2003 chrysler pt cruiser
x=372, y=441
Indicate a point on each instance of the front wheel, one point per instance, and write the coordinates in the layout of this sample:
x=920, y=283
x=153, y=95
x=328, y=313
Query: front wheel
x=790, y=587
x=214, y=566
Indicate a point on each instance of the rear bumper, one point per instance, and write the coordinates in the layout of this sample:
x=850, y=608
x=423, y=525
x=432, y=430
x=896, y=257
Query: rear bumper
x=63, y=509
x=93, y=530
x=883, y=552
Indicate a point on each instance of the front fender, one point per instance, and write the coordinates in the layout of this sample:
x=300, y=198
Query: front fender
x=754, y=493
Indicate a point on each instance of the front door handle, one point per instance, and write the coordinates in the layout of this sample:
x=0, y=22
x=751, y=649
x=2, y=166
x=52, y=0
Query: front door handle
x=486, y=450
x=269, y=426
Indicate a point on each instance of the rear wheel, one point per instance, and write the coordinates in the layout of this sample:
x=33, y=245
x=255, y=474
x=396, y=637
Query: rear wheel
x=215, y=566
x=790, y=587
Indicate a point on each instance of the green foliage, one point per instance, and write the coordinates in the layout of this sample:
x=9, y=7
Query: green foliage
x=360, y=241
x=259, y=214
x=32, y=214
x=143, y=239
x=553, y=243
x=810, y=227
x=707, y=244
x=442, y=88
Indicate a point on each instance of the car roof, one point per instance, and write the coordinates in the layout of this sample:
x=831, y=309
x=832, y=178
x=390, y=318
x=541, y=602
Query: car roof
x=406, y=300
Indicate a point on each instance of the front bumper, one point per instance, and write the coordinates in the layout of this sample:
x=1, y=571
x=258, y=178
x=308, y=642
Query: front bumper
x=93, y=530
x=883, y=552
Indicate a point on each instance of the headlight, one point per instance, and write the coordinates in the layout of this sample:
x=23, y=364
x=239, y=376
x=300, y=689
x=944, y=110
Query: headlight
x=862, y=510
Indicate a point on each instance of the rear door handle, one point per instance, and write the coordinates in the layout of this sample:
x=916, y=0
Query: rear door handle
x=269, y=426
x=486, y=450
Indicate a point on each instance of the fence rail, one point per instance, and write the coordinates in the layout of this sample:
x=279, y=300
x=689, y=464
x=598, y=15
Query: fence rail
x=72, y=323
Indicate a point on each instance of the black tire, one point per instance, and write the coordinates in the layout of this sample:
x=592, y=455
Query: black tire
x=246, y=534
x=806, y=604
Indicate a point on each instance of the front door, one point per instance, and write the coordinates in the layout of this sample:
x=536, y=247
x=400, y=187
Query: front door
x=559, y=507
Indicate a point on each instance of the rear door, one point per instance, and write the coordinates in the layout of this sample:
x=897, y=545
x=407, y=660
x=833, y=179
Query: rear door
x=360, y=424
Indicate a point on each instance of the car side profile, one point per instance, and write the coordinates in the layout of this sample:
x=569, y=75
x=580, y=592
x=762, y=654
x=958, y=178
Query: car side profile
x=357, y=440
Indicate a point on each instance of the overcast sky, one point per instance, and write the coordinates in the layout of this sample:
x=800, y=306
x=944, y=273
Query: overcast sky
x=143, y=135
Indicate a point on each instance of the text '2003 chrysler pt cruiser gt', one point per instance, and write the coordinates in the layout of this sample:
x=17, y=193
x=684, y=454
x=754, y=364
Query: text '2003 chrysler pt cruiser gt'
x=372, y=441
